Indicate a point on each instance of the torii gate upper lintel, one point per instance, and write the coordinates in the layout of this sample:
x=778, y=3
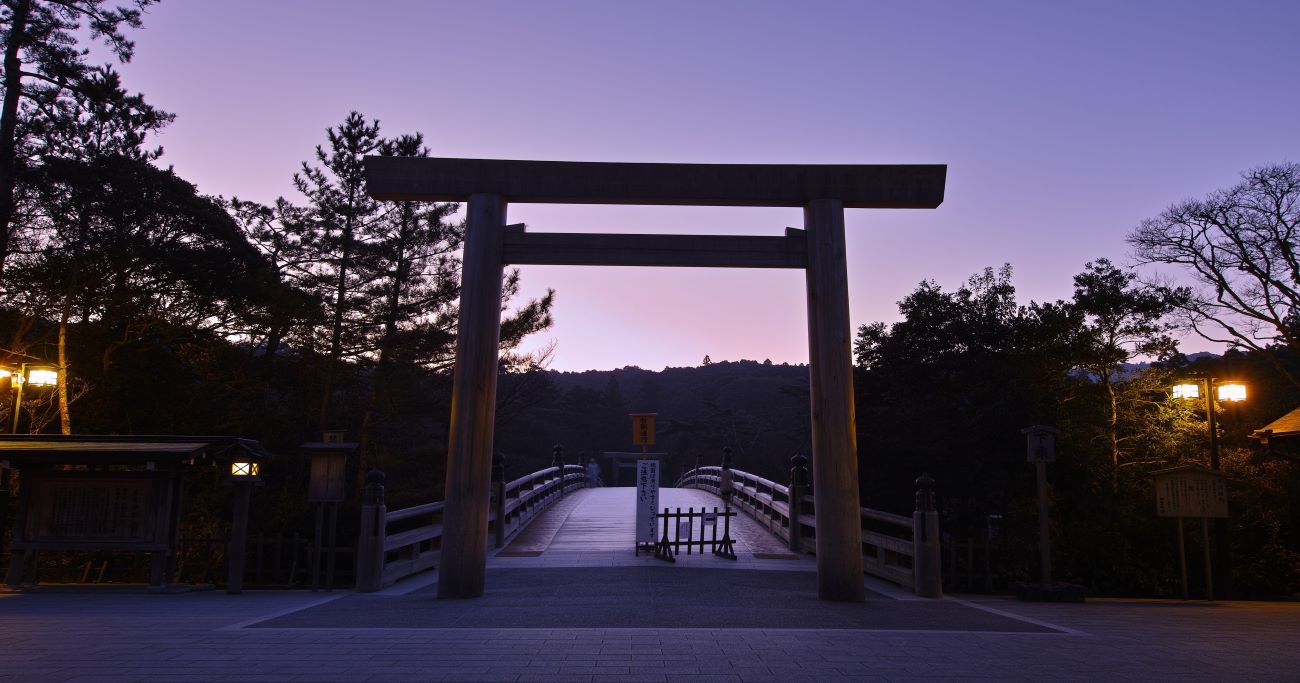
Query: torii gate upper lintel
x=488, y=185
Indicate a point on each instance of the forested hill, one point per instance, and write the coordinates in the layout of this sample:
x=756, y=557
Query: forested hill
x=759, y=409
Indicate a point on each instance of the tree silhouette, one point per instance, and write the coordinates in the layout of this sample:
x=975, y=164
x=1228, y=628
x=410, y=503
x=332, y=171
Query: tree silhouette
x=1240, y=247
x=42, y=64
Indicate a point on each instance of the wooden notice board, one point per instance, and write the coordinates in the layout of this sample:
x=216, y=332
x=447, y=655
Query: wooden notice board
x=643, y=428
x=1191, y=491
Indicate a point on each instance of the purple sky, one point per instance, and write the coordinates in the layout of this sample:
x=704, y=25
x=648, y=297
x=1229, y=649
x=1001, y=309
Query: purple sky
x=1063, y=125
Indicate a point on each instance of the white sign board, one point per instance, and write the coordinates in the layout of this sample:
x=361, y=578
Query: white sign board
x=647, y=500
x=1191, y=492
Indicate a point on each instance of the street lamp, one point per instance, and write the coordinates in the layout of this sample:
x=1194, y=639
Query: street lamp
x=1228, y=392
x=35, y=375
x=244, y=475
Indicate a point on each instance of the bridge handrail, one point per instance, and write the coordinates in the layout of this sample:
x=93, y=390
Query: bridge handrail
x=891, y=543
x=386, y=554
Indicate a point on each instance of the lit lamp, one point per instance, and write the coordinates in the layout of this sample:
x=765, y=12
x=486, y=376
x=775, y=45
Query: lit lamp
x=42, y=377
x=1227, y=392
x=244, y=469
x=1232, y=392
x=1187, y=391
x=35, y=375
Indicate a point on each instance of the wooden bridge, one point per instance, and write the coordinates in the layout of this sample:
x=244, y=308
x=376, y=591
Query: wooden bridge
x=552, y=518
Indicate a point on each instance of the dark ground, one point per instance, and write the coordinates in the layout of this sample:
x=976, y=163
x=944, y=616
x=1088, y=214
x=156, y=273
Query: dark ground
x=647, y=597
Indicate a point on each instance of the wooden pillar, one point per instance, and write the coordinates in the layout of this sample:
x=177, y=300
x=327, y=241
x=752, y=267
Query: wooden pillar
x=238, y=537
x=463, y=563
x=834, y=440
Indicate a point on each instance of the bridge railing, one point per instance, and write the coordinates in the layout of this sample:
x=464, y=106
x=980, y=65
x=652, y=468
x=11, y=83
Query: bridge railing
x=903, y=550
x=396, y=544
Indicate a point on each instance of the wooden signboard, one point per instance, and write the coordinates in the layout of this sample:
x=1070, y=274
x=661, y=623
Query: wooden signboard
x=1191, y=491
x=91, y=510
x=643, y=429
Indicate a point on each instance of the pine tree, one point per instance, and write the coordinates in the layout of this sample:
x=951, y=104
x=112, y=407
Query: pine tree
x=341, y=215
x=43, y=64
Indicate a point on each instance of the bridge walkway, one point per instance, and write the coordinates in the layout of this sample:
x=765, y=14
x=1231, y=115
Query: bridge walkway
x=595, y=527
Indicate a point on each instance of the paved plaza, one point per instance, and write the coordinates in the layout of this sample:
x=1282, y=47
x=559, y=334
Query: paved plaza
x=557, y=609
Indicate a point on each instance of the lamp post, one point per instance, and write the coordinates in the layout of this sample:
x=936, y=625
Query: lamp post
x=35, y=375
x=244, y=475
x=1228, y=392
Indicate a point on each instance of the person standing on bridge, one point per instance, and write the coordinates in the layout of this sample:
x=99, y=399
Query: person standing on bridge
x=593, y=472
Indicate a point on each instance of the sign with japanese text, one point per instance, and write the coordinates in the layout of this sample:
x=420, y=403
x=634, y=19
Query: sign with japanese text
x=647, y=500
x=1042, y=443
x=1191, y=491
x=643, y=429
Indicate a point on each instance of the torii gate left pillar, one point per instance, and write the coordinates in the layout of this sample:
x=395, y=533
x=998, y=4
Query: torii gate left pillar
x=822, y=191
x=463, y=562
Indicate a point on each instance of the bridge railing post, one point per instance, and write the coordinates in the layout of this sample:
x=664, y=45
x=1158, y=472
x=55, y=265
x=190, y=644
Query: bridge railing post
x=926, y=552
x=374, y=532
x=499, y=497
x=557, y=460
x=798, y=485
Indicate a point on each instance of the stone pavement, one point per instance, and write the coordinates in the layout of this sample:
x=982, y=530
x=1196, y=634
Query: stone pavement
x=299, y=636
x=560, y=609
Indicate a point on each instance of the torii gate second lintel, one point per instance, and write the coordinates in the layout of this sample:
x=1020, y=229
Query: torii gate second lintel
x=488, y=185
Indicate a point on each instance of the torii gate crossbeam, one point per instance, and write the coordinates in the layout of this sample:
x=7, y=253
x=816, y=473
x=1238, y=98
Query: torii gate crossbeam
x=823, y=191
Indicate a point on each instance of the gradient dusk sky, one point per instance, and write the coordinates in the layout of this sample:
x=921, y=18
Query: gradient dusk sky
x=1063, y=124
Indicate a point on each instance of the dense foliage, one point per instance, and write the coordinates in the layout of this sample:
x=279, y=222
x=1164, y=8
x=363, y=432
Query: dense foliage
x=948, y=389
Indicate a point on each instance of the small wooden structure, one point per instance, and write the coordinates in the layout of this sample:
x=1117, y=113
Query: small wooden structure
x=489, y=186
x=1284, y=427
x=108, y=493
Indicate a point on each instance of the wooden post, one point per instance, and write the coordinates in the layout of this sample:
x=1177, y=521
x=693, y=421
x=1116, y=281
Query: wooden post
x=316, y=548
x=333, y=546
x=4, y=504
x=238, y=538
x=374, y=533
x=1182, y=558
x=1209, y=570
x=834, y=437
x=557, y=461
x=463, y=564
x=499, y=494
x=798, y=485
x=18, y=558
x=927, y=555
x=1044, y=527
x=168, y=496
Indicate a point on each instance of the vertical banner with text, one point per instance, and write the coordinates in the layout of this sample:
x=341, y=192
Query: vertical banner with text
x=647, y=500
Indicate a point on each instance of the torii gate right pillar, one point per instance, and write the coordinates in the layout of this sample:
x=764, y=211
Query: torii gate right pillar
x=834, y=439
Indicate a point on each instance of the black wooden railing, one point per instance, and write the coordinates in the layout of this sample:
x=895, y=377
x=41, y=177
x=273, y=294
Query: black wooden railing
x=904, y=550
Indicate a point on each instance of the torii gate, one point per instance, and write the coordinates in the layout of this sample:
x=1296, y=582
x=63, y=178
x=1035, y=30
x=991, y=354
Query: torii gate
x=823, y=192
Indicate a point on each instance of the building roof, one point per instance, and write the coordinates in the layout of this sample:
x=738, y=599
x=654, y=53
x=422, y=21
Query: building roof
x=60, y=449
x=1287, y=425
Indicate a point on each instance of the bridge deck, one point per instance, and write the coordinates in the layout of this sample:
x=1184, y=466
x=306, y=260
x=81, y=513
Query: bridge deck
x=596, y=527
